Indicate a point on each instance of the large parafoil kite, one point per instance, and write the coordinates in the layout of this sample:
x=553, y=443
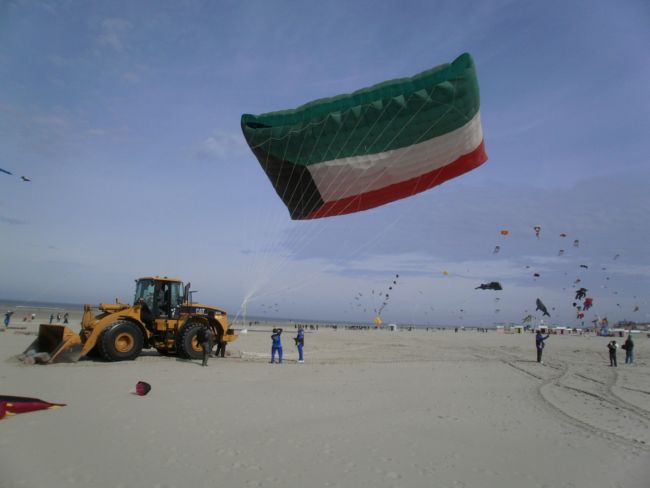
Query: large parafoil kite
x=358, y=151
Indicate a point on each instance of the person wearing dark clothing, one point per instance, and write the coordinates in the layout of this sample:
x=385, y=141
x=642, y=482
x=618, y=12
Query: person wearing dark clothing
x=221, y=349
x=612, y=347
x=539, y=345
x=205, y=336
x=51, y=317
x=163, y=300
x=300, y=343
x=276, y=345
x=628, y=347
x=8, y=318
x=65, y=318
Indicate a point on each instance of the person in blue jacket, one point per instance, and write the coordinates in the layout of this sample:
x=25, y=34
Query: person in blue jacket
x=539, y=344
x=276, y=345
x=300, y=343
x=8, y=318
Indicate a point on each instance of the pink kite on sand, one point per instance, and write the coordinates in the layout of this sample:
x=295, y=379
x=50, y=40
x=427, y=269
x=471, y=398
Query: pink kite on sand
x=11, y=405
x=142, y=388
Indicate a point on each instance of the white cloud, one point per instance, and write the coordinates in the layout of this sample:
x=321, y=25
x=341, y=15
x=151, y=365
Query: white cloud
x=219, y=146
x=113, y=32
x=96, y=132
x=130, y=77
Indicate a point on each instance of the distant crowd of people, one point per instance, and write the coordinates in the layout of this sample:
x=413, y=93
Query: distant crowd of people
x=31, y=317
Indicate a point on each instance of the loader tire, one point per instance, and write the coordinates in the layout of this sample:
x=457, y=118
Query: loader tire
x=189, y=347
x=121, y=342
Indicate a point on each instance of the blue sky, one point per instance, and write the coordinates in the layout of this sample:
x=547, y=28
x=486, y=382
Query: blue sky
x=126, y=117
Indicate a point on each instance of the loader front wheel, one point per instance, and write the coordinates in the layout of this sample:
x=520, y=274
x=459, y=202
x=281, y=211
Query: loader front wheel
x=189, y=345
x=121, y=342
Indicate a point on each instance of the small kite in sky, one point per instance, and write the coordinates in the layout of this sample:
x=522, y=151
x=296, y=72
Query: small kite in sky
x=616, y=257
x=589, y=302
x=505, y=232
x=496, y=249
x=536, y=275
x=537, y=230
x=541, y=307
x=576, y=243
x=563, y=235
x=24, y=178
x=581, y=293
x=6, y=172
x=560, y=252
x=584, y=266
x=492, y=285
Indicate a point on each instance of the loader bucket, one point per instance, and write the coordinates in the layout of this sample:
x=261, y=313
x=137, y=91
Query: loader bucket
x=54, y=344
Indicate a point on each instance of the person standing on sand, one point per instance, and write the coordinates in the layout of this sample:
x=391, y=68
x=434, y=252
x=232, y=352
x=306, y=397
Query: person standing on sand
x=276, y=345
x=8, y=318
x=205, y=336
x=539, y=345
x=65, y=318
x=51, y=317
x=612, y=347
x=628, y=347
x=300, y=343
x=58, y=317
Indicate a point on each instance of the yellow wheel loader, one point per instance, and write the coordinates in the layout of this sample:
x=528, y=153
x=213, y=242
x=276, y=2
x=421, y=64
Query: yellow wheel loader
x=162, y=317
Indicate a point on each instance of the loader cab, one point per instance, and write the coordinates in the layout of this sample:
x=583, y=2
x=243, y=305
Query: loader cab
x=162, y=297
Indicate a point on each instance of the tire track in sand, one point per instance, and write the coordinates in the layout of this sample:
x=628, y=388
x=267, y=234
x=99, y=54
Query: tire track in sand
x=545, y=389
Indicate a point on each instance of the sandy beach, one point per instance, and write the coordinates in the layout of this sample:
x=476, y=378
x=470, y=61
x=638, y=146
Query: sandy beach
x=367, y=408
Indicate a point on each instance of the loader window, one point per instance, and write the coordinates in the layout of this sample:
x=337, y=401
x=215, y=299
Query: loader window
x=177, y=294
x=176, y=299
x=144, y=290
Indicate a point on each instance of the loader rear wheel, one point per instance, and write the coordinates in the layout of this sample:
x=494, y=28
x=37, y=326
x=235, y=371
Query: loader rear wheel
x=189, y=346
x=121, y=342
